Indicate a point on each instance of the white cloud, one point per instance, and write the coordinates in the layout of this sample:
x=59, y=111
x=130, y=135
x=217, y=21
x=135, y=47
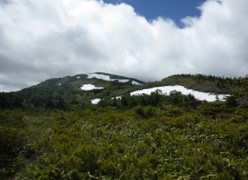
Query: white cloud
x=50, y=38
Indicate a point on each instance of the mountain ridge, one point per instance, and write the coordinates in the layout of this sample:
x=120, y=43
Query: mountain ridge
x=78, y=77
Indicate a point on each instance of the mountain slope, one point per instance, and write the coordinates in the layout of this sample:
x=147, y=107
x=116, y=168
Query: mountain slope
x=83, y=89
x=205, y=83
x=98, y=78
x=69, y=91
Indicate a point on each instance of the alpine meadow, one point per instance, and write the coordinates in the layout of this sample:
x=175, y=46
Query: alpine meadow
x=52, y=131
x=123, y=90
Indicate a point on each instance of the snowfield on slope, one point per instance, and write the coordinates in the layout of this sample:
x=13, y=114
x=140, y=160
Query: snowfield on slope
x=202, y=96
x=167, y=89
x=135, y=83
x=89, y=87
x=95, y=101
x=99, y=76
x=107, y=78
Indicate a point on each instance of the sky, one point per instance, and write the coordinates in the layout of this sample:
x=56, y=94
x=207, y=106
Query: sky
x=174, y=9
x=151, y=40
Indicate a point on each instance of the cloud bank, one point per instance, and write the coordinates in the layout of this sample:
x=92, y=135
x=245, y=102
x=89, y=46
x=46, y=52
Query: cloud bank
x=42, y=39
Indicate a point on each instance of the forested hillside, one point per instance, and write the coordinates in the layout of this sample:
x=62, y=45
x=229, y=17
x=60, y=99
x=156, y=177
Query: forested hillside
x=65, y=93
x=136, y=137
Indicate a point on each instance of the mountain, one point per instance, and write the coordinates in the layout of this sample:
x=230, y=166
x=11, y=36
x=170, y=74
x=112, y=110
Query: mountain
x=73, y=91
x=85, y=89
x=97, y=78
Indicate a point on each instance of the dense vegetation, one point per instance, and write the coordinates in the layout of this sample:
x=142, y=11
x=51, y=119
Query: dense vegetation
x=145, y=137
x=156, y=98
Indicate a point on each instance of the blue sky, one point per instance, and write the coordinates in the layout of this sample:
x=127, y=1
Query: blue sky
x=173, y=9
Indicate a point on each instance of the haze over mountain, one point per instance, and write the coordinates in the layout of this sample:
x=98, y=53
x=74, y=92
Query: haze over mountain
x=44, y=39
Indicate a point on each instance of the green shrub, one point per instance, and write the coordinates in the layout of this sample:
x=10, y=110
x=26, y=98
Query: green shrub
x=14, y=147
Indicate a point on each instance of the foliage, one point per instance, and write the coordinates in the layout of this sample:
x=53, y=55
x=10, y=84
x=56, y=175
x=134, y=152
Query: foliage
x=14, y=149
x=144, y=142
x=155, y=99
x=239, y=96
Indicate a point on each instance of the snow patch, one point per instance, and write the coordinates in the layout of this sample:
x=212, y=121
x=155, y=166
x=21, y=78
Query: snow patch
x=59, y=84
x=107, y=78
x=135, y=83
x=89, y=87
x=168, y=89
x=95, y=101
x=197, y=94
x=99, y=76
x=78, y=77
x=123, y=80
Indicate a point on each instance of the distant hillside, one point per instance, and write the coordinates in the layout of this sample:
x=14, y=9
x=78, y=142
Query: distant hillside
x=204, y=83
x=199, y=82
x=83, y=89
x=98, y=78
x=69, y=91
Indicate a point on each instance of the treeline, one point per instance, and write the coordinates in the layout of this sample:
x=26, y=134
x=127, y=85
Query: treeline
x=37, y=97
x=31, y=98
x=154, y=99
x=239, y=96
x=202, y=77
x=65, y=96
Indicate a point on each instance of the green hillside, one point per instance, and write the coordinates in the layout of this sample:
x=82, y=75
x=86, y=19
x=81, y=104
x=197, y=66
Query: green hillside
x=203, y=83
x=136, y=137
x=66, y=92
x=222, y=85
